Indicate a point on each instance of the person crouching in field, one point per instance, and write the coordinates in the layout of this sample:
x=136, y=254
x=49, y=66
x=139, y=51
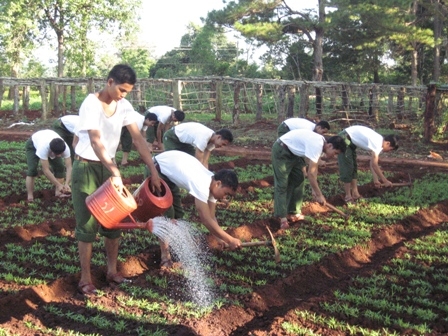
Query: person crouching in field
x=65, y=126
x=181, y=170
x=48, y=148
x=369, y=140
x=196, y=139
x=143, y=122
x=289, y=153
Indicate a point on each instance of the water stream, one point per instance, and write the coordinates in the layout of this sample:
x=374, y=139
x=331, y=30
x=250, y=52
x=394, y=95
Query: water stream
x=192, y=256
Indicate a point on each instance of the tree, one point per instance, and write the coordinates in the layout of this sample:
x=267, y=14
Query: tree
x=17, y=33
x=72, y=20
x=274, y=21
x=203, y=51
x=363, y=33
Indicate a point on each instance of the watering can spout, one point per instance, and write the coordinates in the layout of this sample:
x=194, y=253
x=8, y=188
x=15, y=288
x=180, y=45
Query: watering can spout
x=150, y=225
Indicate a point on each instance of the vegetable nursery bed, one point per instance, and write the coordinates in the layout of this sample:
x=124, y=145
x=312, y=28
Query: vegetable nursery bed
x=318, y=288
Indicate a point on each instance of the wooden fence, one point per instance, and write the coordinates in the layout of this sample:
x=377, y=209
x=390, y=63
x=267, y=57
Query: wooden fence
x=282, y=98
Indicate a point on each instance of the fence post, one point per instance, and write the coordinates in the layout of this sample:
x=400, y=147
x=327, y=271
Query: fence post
x=64, y=99
x=218, y=105
x=51, y=99
x=291, y=96
x=318, y=101
x=236, y=104
x=304, y=100
x=390, y=101
x=400, y=103
x=345, y=97
x=259, y=94
x=73, y=98
x=281, y=108
x=373, y=102
x=90, y=85
x=15, y=108
x=26, y=98
x=177, y=93
x=428, y=124
x=43, y=98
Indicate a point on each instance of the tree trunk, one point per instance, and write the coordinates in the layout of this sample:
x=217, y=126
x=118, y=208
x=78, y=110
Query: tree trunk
x=318, y=51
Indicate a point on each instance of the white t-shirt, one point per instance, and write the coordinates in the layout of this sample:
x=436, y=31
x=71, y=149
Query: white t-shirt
x=304, y=143
x=70, y=122
x=139, y=119
x=163, y=112
x=186, y=172
x=365, y=138
x=299, y=123
x=195, y=134
x=41, y=141
x=92, y=117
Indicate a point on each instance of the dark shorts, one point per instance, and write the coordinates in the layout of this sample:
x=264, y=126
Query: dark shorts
x=59, y=127
x=282, y=129
x=126, y=140
x=86, y=178
x=32, y=160
x=172, y=142
x=151, y=133
x=348, y=167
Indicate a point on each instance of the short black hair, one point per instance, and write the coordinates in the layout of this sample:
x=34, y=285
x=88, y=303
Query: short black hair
x=228, y=178
x=225, y=134
x=151, y=116
x=123, y=73
x=180, y=115
x=338, y=143
x=393, y=139
x=57, y=146
x=323, y=124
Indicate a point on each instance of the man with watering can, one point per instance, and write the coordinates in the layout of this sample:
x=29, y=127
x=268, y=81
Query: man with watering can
x=101, y=118
x=181, y=170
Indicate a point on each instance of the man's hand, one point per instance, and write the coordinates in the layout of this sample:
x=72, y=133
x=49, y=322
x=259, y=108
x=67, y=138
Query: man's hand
x=234, y=243
x=320, y=199
x=387, y=183
x=156, y=185
x=66, y=189
x=118, y=183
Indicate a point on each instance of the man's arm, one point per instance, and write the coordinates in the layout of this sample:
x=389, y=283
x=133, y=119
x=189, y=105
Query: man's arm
x=203, y=156
x=209, y=221
x=142, y=147
x=101, y=153
x=312, y=177
x=47, y=172
x=376, y=172
x=68, y=174
x=75, y=141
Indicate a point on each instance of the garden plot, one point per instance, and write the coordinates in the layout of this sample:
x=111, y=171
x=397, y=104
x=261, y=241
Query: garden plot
x=382, y=272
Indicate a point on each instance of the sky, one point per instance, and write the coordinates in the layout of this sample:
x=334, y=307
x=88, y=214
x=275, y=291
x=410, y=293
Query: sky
x=164, y=21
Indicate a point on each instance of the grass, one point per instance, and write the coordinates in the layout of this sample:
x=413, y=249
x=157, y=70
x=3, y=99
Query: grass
x=409, y=284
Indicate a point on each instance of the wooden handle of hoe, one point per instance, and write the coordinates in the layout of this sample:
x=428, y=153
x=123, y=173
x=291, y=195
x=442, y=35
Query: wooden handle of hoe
x=332, y=207
x=257, y=243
